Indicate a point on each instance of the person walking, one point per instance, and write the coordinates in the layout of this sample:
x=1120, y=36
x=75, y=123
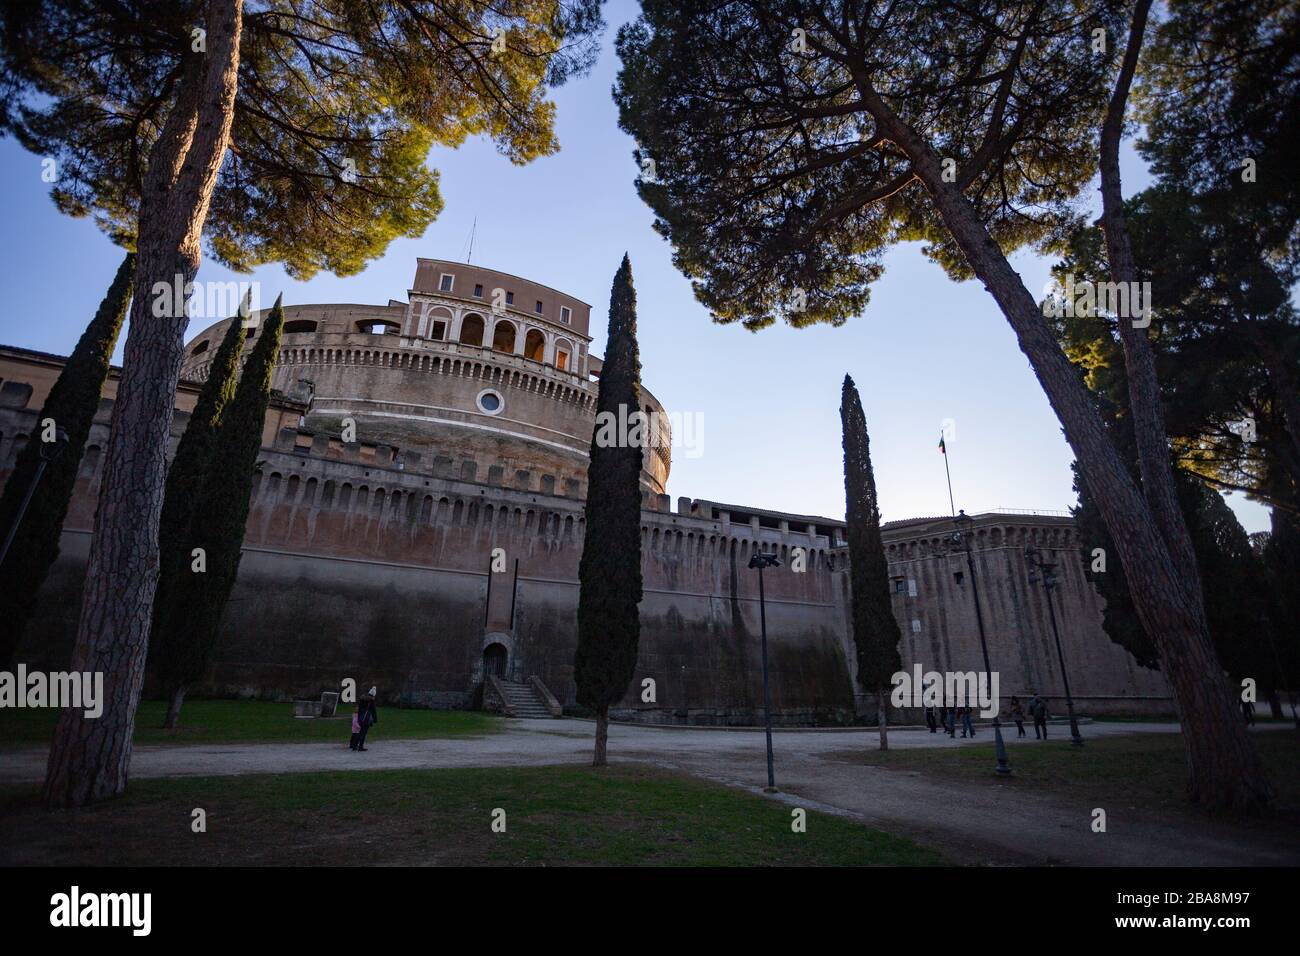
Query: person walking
x=1248, y=711
x=1038, y=710
x=367, y=716
x=356, y=727
x=1018, y=715
x=930, y=720
x=967, y=727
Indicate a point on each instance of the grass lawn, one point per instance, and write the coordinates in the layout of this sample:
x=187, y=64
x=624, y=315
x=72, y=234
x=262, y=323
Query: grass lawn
x=251, y=721
x=1146, y=771
x=554, y=816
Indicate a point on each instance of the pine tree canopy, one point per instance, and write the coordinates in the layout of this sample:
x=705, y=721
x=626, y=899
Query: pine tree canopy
x=774, y=183
x=337, y=109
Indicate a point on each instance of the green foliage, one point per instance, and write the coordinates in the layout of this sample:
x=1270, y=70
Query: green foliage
x=189, y=472
x=1221, y=85
x=1222, y=305
x=1238, y=604
x=609, y=574
x=72, y=404
x=875, y=629
x=197, y=600
x=337, y=108
x=775, y=186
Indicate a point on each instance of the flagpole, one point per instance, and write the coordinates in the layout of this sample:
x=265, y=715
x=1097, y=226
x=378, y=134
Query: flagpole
x=952, y=507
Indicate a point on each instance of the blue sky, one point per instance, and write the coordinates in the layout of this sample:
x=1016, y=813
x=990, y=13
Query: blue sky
x=926, y=349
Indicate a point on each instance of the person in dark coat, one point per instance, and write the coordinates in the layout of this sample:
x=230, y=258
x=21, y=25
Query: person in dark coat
x=367, y=717
x=1038, y=710
x=1018, y=715
x=966, y=726
x=930, y=720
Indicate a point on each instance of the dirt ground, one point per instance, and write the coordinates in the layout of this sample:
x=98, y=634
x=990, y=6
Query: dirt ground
x=974, y=823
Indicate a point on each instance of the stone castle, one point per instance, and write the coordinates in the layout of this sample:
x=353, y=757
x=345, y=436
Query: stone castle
x=406, y=442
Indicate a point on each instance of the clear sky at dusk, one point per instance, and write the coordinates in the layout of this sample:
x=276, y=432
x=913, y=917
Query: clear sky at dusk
x=926, y=349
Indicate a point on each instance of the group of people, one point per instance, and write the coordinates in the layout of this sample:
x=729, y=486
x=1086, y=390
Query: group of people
x=1037, y=711
x=949, y=717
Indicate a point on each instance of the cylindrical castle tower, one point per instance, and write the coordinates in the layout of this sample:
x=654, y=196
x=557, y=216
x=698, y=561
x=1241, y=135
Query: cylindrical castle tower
x=487, y=376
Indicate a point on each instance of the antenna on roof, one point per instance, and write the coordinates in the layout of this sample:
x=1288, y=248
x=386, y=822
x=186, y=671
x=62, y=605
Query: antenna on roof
x=469, y=256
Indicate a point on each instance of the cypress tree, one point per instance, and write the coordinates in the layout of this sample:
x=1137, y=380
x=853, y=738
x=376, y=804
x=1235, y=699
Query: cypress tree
x=875, y=630
x=609, y=624
x=219, y=518
x=71, y=404
x=185, y=480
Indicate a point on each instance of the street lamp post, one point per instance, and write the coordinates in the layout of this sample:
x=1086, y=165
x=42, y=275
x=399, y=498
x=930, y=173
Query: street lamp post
x=50, y=451
x=761, y=560
x=1046, y=572
x=962, y=535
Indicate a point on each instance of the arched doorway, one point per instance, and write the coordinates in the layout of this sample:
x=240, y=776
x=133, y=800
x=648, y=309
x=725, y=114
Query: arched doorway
x=494, y=660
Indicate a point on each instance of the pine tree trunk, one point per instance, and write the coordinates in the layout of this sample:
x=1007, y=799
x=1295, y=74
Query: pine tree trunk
x=602, y=737
x=883, y=720
x=89, y=759
x=175, y=699
x=1145, y=403
x=1224, y=767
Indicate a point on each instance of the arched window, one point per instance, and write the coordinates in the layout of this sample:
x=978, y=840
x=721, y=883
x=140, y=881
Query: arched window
x=436, y=322
x=503, y=337
x=535, y=345
x=563, y=352
x=200, y=348
x=299, y=325
x=90, y=460
x=471, y=330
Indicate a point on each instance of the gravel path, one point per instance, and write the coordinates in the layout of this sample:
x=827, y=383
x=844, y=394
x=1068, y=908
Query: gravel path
x=968, y=823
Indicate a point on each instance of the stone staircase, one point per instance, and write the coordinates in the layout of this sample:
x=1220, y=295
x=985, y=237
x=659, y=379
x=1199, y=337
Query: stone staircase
x=523, y=700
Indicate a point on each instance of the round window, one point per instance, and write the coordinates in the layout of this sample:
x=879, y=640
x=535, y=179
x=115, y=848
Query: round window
x=490, y=401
